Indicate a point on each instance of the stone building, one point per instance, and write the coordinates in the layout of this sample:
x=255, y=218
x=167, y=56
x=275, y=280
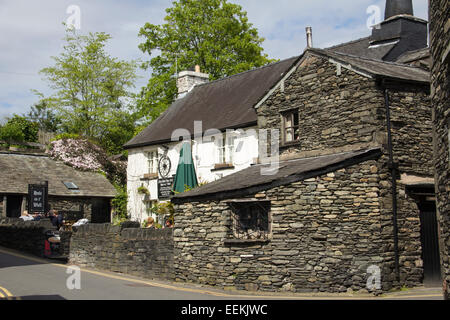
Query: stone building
x=352, y=200
x=203, y=111
x=76, y=194
x=440, y=93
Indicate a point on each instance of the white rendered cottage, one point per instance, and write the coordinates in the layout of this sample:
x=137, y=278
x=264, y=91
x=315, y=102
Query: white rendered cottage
x=219, y=120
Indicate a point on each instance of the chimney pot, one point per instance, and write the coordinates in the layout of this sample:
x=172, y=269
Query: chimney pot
x=197, y=68
x=309, y=37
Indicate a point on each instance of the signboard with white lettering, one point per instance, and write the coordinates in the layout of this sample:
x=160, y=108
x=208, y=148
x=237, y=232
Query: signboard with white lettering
x=37, y=198
x=165, y=187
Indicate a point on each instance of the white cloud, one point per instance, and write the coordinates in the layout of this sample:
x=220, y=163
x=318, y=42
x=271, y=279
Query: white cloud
x=32, y=32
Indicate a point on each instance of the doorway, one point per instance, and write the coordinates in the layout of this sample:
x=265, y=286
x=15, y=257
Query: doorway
x=430, y=243
x=101, y=211
x=14, y=206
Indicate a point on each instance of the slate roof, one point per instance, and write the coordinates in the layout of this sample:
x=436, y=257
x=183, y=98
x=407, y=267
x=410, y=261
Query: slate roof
x=361, y=48
x=414, y=55
x=379, y=68
x=19, y=170
x=223, y=104
x=250, y=181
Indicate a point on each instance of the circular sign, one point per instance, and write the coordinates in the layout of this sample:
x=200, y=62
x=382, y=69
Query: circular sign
x=164, y=166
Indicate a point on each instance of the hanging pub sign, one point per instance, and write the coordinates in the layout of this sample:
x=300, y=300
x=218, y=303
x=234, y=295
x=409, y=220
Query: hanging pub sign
x=165, y=187
x=38, y=198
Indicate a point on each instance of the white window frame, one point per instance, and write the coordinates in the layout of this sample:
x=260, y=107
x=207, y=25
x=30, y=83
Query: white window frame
x=152, y=161
x=225, y=149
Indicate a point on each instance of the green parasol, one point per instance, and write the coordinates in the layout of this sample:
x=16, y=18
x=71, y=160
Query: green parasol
x=186, y=176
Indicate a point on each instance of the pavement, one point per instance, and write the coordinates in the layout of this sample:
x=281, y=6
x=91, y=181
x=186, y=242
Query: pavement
x=25, y=277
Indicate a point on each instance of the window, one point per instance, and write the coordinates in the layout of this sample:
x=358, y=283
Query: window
x=225, y=150
x=152, y=158
x=71, y=186
x=251, y=220
x=290, y=126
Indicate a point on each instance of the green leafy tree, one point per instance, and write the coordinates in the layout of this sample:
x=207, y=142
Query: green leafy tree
x=214, y=34
x=92, y=90
x=45, y=117
x=19, y=129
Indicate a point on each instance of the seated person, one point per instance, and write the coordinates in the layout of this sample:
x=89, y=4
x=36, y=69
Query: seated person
x=169, y=223
x=25, y=216
x=150, y=223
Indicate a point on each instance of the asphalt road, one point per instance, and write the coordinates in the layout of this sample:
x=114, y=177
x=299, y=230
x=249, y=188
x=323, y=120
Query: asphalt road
x=25, y=277
x=32, y=278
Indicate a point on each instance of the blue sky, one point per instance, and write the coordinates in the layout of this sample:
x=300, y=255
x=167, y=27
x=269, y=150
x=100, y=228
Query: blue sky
x=31, y=32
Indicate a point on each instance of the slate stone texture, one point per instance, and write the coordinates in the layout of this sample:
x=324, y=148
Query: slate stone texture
x=440, y=49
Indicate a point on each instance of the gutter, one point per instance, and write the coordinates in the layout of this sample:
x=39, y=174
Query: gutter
x=394, y=169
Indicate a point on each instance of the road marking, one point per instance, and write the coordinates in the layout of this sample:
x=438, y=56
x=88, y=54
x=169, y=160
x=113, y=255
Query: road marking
x=212, y=293
x=4, y=293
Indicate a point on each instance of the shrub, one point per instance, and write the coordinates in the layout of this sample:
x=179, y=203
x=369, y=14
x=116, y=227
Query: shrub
x=19, y=129
x=85, y=155
x=119, y=203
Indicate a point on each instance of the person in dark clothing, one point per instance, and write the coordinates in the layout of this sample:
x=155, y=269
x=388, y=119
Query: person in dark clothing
x=56, y=219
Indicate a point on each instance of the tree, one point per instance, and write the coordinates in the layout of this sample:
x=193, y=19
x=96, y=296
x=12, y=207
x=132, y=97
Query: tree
x=19, y=129
x=213, y=34
x=91, y=90
x=44, y=116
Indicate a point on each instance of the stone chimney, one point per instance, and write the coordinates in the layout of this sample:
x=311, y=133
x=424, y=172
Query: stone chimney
x=401, y=28
x=187, y=80
x=397, y=7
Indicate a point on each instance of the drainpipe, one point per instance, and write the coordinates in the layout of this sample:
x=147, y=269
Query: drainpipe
x=393, y=167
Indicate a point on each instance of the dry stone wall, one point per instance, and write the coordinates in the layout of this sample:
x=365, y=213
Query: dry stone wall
x=24, y=236
x=142, y=252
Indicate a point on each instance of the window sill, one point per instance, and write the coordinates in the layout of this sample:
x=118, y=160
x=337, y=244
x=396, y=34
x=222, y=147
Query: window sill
x=150, y=176
x=246, y=241
x=220, y=167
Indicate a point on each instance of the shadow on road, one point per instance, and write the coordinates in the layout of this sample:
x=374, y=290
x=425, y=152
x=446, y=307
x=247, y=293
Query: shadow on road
x=10, y=258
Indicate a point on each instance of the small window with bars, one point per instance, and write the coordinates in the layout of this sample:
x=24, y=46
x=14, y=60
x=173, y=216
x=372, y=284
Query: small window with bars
x=251, y=220
x=291, y=126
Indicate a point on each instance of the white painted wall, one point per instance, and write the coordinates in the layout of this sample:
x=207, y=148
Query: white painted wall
x=204, y=154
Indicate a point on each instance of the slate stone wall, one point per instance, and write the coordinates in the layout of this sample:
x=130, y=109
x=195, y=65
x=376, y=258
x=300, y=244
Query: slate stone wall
x=412, y=128
x=326, y=232
x=142, y=252
x=72, y=204
x=440, y=49
x=341, y=112
x=347, y=112
x=24, y=236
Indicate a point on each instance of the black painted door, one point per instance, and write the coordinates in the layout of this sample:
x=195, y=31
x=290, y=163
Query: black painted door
x=430, y=244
